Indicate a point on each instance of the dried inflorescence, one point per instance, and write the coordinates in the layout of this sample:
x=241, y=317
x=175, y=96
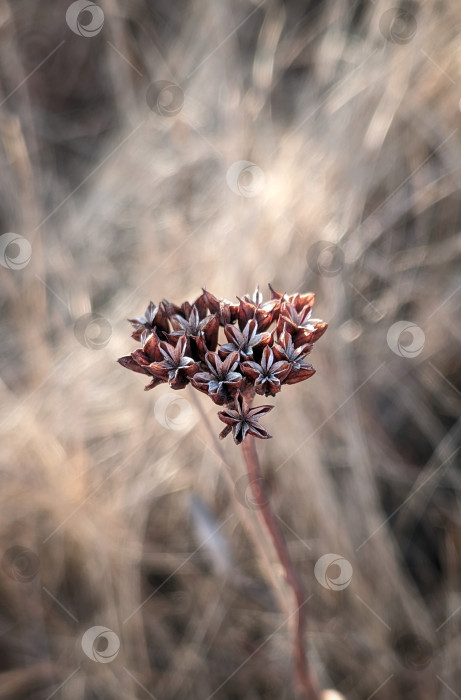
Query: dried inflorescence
x=267, y=343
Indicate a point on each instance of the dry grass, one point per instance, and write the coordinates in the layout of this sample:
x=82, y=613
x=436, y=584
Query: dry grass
x=359, y=141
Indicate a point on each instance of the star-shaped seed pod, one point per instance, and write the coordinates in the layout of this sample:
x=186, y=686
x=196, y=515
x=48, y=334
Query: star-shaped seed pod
x=254, y=307
x=267, y=375
x=302, y=301
x=299, y=301
x=204, y=331
x=225, y=310
x=246, y=341
x=140, y=360
x=285, y=349
x=292, y=318
x=243, y=420
x=299, y=324
x=221, y=381
x=176, y=368
x=154, y=318
x=185, y=309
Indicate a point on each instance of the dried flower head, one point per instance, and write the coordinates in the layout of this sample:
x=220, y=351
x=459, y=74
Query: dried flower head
x=267, y=343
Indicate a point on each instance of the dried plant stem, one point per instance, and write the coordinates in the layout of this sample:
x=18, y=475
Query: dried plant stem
x=261, y=530
x=306, y=685
x=253, y=525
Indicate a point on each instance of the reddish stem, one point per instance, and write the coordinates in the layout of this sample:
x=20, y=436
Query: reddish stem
x=306, y=685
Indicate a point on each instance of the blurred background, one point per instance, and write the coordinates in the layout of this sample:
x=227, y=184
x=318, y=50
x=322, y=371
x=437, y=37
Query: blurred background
x=149, y=149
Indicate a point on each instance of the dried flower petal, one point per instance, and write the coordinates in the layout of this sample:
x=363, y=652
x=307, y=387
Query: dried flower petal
x=130, y=363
